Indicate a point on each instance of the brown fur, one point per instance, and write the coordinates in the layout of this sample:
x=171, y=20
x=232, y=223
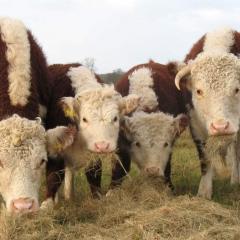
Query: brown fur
x=195, y=50
x=39, y=83
x=169, y=98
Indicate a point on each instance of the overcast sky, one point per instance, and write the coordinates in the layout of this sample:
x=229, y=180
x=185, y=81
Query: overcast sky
x=120, y=33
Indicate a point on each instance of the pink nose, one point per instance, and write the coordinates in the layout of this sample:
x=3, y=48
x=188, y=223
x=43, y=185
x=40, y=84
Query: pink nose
x=220, y=127
x=153, y=171
x=25, y=205
x=102, y=146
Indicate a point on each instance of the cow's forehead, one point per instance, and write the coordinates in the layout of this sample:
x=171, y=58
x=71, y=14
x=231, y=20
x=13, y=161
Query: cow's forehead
x=155, y=126
x=21, y=138
x=216, y=71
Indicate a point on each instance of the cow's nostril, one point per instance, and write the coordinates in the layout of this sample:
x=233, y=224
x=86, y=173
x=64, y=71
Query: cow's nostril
x=102, y=146
x=220, y=126
x=23, y=204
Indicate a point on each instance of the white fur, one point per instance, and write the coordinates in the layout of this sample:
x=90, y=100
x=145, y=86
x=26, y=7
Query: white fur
x=217, y=75
x=14, y=34
x=141, y=83
x=68, y=183
x=206, y=184
x=151, y=131
x=23, y=146
x=220, y=40
x=82, y=79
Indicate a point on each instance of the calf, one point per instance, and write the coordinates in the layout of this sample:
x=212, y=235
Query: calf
x=210, y=82
x=152, y=136
x=142, y=135
x=79, y=98
x=24, y=142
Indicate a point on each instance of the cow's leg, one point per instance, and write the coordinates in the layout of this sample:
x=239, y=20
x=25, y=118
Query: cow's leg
x=234, y=163
x=94, y=174
x=206, y=183
x=123, y=164
x=167, y=174
x=69, y=183
x=54, y=178
x=120, y=169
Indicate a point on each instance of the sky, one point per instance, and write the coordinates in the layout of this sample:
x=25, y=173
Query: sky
x=120, y=33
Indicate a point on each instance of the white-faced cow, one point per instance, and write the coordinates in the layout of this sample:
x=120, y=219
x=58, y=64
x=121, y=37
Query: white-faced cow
x=210, y=82
x=79, y=98
x=24, y=142
x=148, y=136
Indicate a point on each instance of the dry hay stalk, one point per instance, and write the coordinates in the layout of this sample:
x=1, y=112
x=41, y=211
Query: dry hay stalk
x=141, y=209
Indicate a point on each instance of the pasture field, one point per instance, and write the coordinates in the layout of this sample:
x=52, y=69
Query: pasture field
x=142, y=209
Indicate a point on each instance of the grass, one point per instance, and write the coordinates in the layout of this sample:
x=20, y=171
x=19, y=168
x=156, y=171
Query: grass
x=142, y=209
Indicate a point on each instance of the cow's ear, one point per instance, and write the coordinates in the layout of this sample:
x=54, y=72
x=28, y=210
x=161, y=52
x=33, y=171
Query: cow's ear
x=60, y=138
x=125, y=126
x=129, y=104
x=180, y=122
x=70, y=107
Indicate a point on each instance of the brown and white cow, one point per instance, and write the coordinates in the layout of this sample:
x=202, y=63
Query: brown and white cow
x=79, y=98
x=147, y=137
x=210, y=82
x=24, y=142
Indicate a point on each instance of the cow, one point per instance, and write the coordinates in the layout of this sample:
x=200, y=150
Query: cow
x=210, y=83
x=78, y=97
x=147, y=137
x=24, y=96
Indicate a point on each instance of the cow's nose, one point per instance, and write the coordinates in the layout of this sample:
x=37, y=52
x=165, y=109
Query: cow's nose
x=102, y=146
x=220, y=127
x=153, y=171
x=24, y=205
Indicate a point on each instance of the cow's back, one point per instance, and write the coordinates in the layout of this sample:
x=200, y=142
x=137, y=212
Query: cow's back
x=170, y=100
x=23, y=72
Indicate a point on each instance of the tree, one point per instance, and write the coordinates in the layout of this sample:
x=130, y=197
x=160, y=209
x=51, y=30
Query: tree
x=89, y=62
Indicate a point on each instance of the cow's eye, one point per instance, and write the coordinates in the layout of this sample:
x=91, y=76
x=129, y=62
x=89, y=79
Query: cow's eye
x=199, y=92
x=236, y=90
x=165, y=144
x=85, y=120
x=115, y=119
x=138, y=144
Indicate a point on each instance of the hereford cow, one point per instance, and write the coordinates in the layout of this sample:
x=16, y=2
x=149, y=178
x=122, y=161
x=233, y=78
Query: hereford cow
x=210, y=82
x=79, y=98
x=24, y=93
x=148, y=136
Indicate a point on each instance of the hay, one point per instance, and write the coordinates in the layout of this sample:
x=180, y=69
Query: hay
x=216, y=150
x=142, y=209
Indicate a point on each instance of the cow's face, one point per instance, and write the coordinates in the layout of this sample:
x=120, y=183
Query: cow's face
x=152, y=137
x=214, y=81
x=23, y=156
x=97, y=114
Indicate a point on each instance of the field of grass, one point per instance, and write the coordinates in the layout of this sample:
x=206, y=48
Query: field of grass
x=141, y=209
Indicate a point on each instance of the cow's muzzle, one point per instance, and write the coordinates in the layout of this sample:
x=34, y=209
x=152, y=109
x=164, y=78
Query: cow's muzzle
x=24, y=205
x=221, y=127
